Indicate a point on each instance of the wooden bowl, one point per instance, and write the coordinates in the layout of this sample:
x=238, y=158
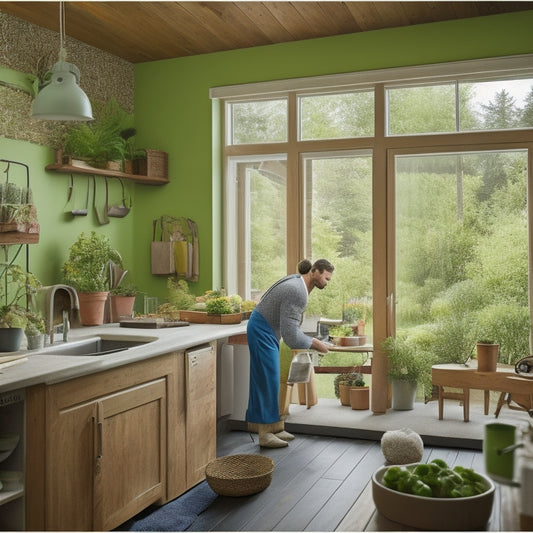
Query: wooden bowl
x=433, y=514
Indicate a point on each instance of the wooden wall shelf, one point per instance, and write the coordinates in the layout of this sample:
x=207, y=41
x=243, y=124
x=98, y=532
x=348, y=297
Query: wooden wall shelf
x=69, y=169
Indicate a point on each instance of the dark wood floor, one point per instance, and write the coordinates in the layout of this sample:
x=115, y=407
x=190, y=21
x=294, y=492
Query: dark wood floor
x=316, y=481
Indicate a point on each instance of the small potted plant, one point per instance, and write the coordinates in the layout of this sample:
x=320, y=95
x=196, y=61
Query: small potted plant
x=360, y=394
x=487, y=352
x=86, y=270
x=16, y=289
x=409, y=366
x=122, y=301
x=35, y=330
x=343, y=335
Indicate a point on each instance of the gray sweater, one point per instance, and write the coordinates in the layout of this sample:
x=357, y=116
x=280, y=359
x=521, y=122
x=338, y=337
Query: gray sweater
x=283, y=306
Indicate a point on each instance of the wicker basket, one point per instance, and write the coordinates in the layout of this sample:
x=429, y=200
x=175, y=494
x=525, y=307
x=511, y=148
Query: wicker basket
x=239, y=475
x=154, y=165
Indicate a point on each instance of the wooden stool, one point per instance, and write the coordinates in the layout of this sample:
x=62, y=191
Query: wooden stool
x=449, y=395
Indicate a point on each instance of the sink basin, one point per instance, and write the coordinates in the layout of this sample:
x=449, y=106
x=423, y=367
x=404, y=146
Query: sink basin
x=96, y=346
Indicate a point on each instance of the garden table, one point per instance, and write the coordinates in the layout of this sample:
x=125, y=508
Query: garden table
x=466, y=377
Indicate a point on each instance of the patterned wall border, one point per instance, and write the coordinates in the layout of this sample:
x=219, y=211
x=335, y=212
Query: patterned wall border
x=32, y=49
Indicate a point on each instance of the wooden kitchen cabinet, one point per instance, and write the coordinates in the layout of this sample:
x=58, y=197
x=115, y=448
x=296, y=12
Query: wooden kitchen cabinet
x=111, y=444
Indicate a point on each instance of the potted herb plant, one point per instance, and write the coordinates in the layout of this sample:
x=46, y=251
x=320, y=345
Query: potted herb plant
x=360, y=394
x=35, y=330
x=122, y=301
x=16, y=289
x=86, y=270
x=343, y=335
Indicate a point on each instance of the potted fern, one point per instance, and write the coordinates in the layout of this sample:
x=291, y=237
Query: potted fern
x=99, y=143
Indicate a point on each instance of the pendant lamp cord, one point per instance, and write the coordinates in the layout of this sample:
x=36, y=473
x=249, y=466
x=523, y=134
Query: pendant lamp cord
x=62, y=34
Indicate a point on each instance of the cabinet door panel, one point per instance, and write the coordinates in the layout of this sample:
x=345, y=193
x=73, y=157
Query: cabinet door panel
x=69, y=471
x=132, y=473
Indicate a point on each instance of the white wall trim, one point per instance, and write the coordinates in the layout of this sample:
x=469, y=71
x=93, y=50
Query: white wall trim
x=475, y=69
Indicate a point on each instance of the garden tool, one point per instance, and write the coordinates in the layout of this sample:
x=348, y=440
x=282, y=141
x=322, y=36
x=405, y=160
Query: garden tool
x=83, y=212
x=102, y=217
x=118, y=211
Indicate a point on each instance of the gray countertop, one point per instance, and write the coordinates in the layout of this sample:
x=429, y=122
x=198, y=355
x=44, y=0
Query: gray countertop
x=42, y=366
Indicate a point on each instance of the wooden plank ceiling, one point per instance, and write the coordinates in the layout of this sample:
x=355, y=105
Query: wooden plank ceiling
x=149, y=31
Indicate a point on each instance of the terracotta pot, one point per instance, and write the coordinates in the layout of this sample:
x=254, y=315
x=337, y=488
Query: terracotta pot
x=360, y=398
x=344, y=394
x=121, y=306
x=487, y=357
x=92, y=306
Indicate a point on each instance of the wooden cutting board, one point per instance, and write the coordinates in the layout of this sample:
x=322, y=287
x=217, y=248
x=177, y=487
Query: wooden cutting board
x=151, y=323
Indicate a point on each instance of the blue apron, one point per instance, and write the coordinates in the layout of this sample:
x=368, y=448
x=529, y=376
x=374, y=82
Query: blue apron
x=263, y=398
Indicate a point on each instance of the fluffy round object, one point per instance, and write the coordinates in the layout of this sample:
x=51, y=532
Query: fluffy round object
x=402, y=446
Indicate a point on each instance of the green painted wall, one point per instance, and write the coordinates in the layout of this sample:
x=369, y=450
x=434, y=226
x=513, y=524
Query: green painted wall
x=174, y=112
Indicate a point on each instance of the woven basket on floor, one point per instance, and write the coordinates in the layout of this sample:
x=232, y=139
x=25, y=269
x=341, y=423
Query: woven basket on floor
x=239, y=475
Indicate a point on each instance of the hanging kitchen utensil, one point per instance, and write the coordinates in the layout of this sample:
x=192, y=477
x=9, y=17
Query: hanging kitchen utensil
x=118, y=211
x=83, y=212
x=70, y=188
x=101, y=217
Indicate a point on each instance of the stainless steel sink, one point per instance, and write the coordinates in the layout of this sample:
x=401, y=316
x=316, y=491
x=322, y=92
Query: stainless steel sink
x=96, y=346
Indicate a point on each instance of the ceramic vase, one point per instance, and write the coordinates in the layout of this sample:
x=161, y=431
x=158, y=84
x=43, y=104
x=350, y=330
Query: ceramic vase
x=92, y=306
x=403, y=394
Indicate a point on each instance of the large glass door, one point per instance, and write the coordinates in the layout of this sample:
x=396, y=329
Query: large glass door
x=462, y=251
x=337, y=225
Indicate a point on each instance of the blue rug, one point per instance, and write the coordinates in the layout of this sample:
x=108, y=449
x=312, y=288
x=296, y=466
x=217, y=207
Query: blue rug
x=176, y=515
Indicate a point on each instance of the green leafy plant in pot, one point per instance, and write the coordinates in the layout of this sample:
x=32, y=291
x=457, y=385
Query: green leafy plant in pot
x=17, y=287
x=86, y=270
x=35, y=330
x=122, y=301
x=409, y=366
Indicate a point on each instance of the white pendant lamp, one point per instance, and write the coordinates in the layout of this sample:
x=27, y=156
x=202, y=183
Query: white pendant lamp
x=61, y=98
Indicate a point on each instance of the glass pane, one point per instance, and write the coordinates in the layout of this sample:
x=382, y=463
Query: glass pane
x=428, y=109
x=338, y=227
x=262, y=223
x=462, y=253
x=337, y=116
x=496, y=105
x=263, y=121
